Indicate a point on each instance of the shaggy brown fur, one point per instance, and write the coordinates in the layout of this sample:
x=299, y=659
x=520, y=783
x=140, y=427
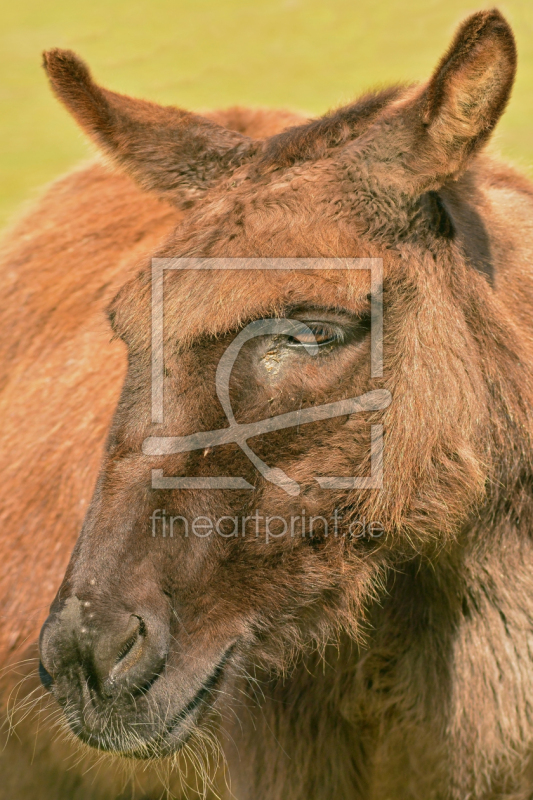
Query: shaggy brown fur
x=340, y=668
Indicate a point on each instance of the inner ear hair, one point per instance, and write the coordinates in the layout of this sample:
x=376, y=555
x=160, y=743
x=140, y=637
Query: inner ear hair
x=471, y=86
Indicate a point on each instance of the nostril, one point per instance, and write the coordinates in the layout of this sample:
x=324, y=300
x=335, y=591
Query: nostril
x=109, y=654
x=131, y=650
x=46, y=678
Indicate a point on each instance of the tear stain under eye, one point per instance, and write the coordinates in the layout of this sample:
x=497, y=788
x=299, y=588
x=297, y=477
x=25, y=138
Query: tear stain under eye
x=275, y=356
x=273, y=359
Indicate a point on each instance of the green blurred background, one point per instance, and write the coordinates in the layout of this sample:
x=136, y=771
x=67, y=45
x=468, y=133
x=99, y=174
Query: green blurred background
x=303, y=54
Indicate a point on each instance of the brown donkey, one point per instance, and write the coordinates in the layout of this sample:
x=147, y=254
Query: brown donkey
x=385, y=655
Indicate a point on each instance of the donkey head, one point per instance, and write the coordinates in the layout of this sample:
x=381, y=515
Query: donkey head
x=171, y=592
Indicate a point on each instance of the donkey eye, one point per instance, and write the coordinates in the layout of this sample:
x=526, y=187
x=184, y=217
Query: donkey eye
x=324, y=333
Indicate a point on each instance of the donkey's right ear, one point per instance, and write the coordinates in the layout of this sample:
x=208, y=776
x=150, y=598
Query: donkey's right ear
x=173, y=152
x=466, y=95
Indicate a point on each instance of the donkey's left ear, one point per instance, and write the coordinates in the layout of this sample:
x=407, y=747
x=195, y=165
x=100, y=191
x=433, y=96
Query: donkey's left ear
x=467, y=93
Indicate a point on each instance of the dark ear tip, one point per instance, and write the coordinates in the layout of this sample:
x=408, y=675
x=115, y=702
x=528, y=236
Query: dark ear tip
x=64, y=64
x=486, y=23
x=495, y=15
x=499, y=24
x=488, y=17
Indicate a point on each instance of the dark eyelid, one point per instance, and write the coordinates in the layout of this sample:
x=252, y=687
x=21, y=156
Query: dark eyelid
x=346, y=327
x=330, y=332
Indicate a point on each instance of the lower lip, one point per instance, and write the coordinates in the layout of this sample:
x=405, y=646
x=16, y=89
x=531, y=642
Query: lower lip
x=161, y=742
x=199, y=700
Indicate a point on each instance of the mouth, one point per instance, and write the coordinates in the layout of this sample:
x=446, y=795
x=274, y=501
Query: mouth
x=176, y=731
